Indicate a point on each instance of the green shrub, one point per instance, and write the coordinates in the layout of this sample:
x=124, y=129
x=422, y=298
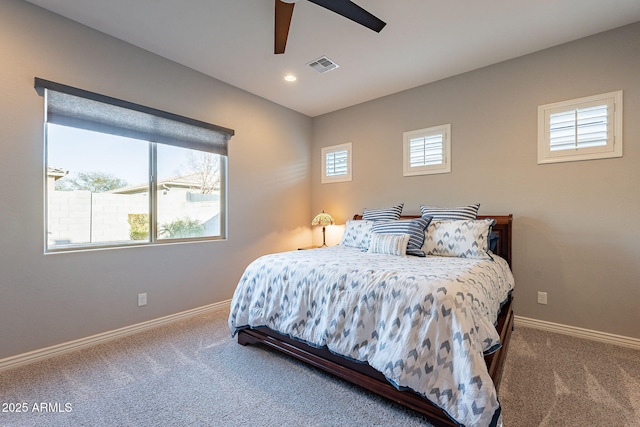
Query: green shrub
x=138, y=226
x=181, y=228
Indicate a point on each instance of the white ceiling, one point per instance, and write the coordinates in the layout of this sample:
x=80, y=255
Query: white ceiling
x=424, y=40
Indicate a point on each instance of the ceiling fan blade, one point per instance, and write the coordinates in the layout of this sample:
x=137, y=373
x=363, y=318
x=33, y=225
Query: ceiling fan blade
x=352, y=11
x=284, y=12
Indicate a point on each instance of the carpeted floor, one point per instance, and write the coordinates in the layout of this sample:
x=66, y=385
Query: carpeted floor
x=191, y=373
x=557, y=380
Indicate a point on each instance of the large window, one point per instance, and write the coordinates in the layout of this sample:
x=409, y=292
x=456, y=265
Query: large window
x=120, y=174
x=580, y=129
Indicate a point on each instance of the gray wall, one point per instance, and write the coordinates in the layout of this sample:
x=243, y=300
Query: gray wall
x=576, y=232
x=50, y=299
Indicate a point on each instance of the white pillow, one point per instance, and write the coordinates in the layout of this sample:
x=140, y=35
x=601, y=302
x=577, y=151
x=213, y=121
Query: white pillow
x=357, y=234
x=458, y=238
x=389, y=244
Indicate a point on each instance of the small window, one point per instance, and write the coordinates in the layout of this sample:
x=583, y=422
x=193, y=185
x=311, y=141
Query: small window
x=580, y=129
x=336, y=163
x=427, y=151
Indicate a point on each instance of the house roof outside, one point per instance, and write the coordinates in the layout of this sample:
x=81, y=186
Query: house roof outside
x=191, y=181
x=56, y=173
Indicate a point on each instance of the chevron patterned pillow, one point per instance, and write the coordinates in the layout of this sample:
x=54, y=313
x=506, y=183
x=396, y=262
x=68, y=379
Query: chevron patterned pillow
x=459, y=238
x=357, y=234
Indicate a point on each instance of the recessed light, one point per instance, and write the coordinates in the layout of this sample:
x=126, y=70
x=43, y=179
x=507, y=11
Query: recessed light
x=290, y=78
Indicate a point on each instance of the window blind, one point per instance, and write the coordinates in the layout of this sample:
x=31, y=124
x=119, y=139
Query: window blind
x=579, y=128
x=69, y=106
x=336, y=163
x=426, y=150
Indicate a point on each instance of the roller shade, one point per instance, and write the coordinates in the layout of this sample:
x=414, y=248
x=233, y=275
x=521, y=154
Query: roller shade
x=69, y=106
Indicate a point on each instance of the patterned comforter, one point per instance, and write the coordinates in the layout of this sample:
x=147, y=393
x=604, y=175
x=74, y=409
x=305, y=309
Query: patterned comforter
x=425, y=323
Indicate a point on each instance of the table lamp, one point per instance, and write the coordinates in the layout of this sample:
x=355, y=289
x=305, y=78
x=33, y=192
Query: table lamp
x=323, y=219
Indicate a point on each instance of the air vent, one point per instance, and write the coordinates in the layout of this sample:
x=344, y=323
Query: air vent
x=323, y=64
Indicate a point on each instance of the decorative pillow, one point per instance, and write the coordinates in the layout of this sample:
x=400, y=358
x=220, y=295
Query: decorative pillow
x=493, y=241
x=462, y=212
x=389, y=244
x=357, y=234
x=415, y=228
x=383, y=214
x=459, y=238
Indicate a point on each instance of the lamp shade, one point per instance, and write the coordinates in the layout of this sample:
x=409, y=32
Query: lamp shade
x=323, y=219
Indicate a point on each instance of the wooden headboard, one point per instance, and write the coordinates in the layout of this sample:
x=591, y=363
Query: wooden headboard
x=502, y=229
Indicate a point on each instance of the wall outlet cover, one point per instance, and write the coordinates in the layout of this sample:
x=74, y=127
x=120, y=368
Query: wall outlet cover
x=142, y=299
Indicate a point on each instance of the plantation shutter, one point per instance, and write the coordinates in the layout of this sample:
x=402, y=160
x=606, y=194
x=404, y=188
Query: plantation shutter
x=582, y=127
x=426, y=150
x=336, y=163
x=579, y=129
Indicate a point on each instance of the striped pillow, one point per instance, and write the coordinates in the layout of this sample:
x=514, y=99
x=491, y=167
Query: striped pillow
x=415, y=228
x=383, y=214
x=389, y=244
x=462, y=212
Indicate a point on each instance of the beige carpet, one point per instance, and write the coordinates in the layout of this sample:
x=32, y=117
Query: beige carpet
x=556, y=380
x=192, y=373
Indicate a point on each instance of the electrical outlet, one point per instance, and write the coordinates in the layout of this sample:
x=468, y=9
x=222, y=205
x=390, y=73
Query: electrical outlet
x=542, y=298
x=142, y=299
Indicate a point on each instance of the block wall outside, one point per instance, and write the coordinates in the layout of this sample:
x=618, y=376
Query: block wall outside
x=85, y=217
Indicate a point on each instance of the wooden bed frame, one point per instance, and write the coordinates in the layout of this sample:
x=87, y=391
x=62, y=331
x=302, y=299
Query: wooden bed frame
x=365, y=376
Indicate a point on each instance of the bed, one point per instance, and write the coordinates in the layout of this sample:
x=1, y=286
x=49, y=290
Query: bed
x=395, y=339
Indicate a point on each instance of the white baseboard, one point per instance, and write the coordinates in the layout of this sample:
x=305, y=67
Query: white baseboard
x=60, y=349
x=67, y=347
x=589, y=334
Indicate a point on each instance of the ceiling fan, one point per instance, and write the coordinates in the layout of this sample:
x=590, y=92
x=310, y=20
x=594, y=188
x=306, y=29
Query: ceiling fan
x=346, y=8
